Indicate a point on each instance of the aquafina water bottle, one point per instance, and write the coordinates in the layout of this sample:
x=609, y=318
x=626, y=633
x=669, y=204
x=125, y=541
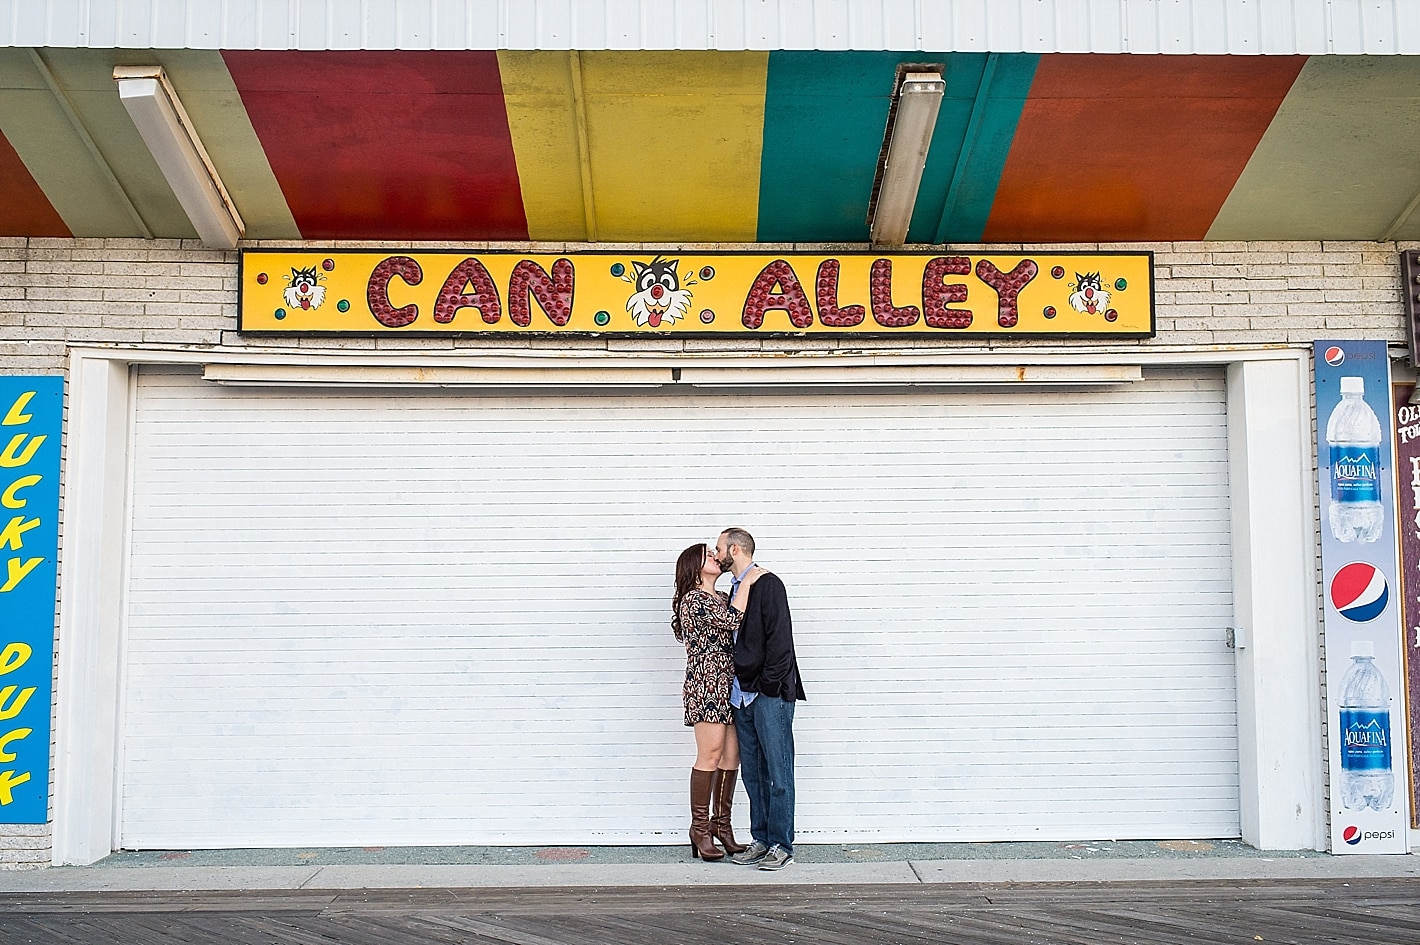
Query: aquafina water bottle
x=1367, y=779
x=1354, y=435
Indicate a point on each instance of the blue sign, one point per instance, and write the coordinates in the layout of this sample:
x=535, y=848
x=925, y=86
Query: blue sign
x=31, y=411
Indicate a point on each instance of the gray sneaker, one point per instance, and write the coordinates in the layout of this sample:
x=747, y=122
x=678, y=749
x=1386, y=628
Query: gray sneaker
x=751, y=855
x=776, y=859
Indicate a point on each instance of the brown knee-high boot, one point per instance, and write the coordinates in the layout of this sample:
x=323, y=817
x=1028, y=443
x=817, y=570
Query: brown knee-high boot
x=723, y=798
x=700, y=843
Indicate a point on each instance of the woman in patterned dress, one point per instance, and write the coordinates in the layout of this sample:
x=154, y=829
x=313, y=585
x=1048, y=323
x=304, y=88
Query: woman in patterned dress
x=706, y=621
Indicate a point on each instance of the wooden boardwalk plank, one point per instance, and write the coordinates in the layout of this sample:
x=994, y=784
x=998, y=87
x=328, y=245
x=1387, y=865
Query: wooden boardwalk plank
x=1381, y=926
x=472, y=929
x=424, y=929
x=1356, y=912
x=48, y=931
x=1380, y=912
x=838, y=927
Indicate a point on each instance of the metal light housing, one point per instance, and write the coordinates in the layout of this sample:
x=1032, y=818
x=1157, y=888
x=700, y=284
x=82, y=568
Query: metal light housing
x=160, y=118
x=909, y=138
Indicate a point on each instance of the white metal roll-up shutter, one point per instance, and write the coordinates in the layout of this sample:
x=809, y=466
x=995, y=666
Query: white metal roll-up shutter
x=400, y=617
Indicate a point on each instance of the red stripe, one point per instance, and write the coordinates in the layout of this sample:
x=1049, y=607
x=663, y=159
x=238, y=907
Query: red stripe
x=386, y=145
x=1134, y=147
x=24, y=210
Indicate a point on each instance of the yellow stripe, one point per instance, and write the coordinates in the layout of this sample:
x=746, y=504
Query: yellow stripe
x=672, y=140
x=537, y=92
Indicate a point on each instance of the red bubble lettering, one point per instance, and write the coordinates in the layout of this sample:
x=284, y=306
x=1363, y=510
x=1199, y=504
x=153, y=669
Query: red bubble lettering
x=880, y=294
x=826, y=290
x=469, y=274
x=1008, y=287
x=777, y=287
x=378, y=295
x=553, y=292
x=938, y=293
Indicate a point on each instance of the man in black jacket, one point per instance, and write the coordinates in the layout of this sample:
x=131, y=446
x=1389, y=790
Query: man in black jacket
x=765, y=689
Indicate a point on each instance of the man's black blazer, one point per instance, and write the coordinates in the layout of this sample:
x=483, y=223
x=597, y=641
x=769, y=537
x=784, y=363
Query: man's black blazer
x=764, y=651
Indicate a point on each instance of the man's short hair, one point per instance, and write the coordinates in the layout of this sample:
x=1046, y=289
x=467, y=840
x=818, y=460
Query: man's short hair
x=738, y=536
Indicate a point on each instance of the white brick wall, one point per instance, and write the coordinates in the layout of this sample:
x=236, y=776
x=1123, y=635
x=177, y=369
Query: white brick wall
x=24, y=847
x=58, y=292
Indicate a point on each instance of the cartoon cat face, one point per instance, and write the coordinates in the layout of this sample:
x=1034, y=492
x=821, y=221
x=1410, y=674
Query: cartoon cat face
x=658, y=271
x=658, y=299
x=1089, y=295
x=302, y=276
x=303, y=289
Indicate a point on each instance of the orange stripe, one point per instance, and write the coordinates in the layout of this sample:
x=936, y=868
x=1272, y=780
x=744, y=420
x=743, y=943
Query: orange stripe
x=25, y=211
x=1134, y=147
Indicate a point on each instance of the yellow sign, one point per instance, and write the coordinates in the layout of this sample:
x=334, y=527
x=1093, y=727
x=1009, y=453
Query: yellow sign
x=449, y=292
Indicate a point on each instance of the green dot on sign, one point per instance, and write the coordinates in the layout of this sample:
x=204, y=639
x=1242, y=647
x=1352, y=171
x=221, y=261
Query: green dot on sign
x=1120, y=284
x=280, y=314
x=617, y=269
x=601, y=318
x=343, y=305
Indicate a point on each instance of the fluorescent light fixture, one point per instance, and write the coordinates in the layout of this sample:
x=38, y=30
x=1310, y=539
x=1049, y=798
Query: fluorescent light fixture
x=909, y=132
x=155, y=109
x=686, y=374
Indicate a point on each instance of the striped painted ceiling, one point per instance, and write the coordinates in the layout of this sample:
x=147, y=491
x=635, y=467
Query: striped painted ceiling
x=705, y=146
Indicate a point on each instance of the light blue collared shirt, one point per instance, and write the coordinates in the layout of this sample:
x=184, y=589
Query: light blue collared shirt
x=738, y=697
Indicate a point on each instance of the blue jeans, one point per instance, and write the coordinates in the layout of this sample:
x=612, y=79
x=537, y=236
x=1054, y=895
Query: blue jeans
x=766, y=732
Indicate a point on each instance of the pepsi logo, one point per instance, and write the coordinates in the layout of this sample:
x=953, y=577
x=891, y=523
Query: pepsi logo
x=1335, y=356
x=1354, y=835
x=1359, y=592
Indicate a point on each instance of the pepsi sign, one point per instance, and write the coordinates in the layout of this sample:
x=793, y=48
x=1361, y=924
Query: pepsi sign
x=1353, y=835
x=1356, y=489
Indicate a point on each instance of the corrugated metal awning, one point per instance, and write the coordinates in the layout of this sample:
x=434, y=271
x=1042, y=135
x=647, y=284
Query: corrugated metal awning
x=1204, y=27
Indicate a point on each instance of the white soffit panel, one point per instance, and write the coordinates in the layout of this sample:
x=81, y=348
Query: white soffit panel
x=1238, y=27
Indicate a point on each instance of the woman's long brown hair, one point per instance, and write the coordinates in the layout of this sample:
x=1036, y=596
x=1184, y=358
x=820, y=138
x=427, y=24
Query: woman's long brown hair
x=687, y=578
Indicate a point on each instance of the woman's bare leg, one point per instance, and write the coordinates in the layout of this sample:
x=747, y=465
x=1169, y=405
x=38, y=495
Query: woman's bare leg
x=710, y=745
x=730, y=756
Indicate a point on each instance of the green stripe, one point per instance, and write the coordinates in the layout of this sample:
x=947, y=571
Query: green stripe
x=969, y=149
x=825, y=113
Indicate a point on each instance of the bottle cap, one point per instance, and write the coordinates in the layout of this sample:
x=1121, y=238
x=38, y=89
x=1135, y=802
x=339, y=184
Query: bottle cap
x=1353, y=385
x=1362, y=648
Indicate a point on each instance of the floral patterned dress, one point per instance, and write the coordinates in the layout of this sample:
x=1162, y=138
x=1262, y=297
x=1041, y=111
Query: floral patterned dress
x=708, y=624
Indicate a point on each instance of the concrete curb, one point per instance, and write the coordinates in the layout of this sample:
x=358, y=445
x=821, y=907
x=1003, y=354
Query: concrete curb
x=631, y=875
x=1131, y=871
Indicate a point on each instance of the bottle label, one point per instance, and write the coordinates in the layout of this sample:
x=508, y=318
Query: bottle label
x=1355, y=473
x=1366, y=740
